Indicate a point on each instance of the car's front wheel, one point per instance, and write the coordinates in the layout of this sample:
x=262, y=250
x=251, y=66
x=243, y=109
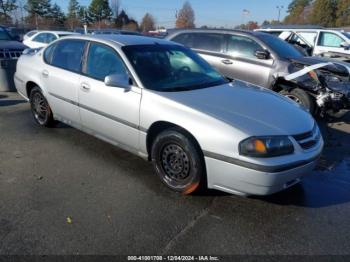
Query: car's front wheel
x=178, y=161
x=41, y=110
x=301, y=97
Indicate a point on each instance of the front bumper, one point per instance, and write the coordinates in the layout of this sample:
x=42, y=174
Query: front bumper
x=239, y=180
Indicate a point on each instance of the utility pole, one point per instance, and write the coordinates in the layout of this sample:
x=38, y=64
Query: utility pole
x=245, y=13
x=279, y=8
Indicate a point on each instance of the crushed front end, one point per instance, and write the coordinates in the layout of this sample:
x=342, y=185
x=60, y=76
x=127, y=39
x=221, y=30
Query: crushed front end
x=329, y=84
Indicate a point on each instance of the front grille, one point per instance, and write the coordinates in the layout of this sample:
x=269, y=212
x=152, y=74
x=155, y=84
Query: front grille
x=309, y=139
x=10, y=53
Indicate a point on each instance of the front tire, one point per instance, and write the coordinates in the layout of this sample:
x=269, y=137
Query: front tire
x=40, y=108
x=178, y=161
x=301, y=97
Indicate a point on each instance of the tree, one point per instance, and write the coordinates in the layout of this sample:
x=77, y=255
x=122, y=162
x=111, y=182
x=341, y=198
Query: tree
x=73, y=9
x=148, y=23
x=131, y=26
x=73, y=14
x=115, y=6
x=57, y=15
x=296, y=12
x=99, y=10
x=271, y=22
x=39, y=12
x=6, y=7
x=323, y=12
x=83, y=16
x=185, y=17
x=122, y=19
x=41, y=8
x=343, y=13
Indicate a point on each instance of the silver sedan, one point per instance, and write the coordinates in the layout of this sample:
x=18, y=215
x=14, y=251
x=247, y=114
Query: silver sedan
x=163, y=102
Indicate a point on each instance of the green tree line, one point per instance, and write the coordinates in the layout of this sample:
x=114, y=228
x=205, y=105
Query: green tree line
x=328, y=13
x=48, y=14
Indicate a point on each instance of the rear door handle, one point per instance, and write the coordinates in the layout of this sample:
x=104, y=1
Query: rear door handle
x=45, y=73
x=85, y=86
x=227, y=62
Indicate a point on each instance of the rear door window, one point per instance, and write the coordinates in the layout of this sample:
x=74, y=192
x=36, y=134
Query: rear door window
x=209, y=42
x=330, y=40
x=184, y=39
x=68, y=55
x=50, y=38
x=203, y=41
x=242, y=46
x=40, y=38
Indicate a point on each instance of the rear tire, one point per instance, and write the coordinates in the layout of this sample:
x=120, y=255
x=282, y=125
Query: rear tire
x=41, y=110
x=178, y=161
x=301, y=97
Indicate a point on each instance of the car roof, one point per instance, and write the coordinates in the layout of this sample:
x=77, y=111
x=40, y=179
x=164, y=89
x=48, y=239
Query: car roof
x=56, y=32
x=123, y=40
x=220, y=31
x=284, y=27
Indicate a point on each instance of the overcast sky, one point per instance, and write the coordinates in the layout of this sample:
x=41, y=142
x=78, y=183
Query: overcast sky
x=227, y=13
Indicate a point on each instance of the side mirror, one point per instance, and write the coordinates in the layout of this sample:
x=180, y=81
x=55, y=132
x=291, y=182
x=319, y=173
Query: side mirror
x=117, y=80
x=345, y=45
x=262, y=54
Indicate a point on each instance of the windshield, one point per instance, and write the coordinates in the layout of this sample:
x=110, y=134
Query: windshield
x=280, y=47
x=171, y=68
x=347, y=35
x=4, y=35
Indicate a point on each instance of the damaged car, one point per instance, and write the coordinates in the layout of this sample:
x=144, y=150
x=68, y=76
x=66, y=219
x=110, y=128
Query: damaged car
x=320, y=85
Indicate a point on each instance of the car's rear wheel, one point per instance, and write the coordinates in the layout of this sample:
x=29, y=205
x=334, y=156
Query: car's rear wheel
x=41, y=110
x=301, y=97
x=178, y=161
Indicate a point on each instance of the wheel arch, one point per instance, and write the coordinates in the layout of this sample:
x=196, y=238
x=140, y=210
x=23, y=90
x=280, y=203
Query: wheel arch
x=29, y=87
x=157, y=127
x=281, y=84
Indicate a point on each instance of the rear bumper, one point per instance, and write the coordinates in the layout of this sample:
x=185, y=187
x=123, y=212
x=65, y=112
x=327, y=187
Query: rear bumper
x=240, y=180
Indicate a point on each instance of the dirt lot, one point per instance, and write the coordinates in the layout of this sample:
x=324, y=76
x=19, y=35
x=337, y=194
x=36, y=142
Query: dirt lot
x=64, y=192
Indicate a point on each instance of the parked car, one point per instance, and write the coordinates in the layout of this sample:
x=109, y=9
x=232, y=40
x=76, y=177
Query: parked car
x=43, y=38
x=317, y=41
x=113, y=32
x=10, y=51
x=265, y=60
x=30, y=34
x=163, y=102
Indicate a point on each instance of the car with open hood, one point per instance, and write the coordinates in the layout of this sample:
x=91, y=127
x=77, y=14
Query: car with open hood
x=265, y=60
x=163, y=102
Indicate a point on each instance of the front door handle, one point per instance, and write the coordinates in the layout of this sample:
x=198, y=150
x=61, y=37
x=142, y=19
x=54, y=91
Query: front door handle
x=45, y=73
x=227, y=62
x=85, y=86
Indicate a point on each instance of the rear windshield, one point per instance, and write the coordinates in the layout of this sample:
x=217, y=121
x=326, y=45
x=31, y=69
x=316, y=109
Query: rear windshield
x=280, y=47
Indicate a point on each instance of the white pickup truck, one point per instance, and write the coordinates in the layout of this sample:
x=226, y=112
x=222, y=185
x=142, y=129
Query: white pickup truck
x=316, y=41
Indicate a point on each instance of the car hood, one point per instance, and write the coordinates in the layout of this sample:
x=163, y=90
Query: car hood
x=12, y=45
x=251, y=109
x=336, y=68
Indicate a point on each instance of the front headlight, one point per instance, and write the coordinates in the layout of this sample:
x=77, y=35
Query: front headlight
x=266, y=146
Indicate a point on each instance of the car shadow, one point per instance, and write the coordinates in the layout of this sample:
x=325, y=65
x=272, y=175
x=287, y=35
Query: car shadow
x=9, y=102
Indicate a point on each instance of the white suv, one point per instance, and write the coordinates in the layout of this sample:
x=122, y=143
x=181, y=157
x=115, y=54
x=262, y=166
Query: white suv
x=319, y=41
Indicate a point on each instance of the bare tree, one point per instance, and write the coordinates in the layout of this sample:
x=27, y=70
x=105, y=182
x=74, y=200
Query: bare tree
x=6, y=7
x=185, y=17
x=148, y=23
x=115, y=5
